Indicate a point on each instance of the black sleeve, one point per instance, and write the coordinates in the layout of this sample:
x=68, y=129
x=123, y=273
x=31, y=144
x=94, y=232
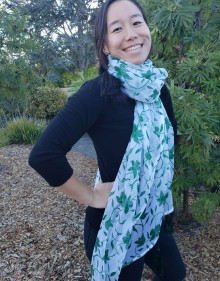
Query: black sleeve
x=48, y=156
x=167, y=103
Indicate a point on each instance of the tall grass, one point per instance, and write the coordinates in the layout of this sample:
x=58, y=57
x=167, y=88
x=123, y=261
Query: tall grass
x=3, y=137
x=23, y=130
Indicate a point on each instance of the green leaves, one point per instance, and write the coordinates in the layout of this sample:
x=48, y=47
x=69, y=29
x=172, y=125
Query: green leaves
x=147, y=75
x=155, y=232
x=175, y=18
x=125, y=202
x=158, y=131
x=106, y=256
x=155, y=94
x=205, y=205
x=135, y=167
x=127, y=238
x=171, y=153
x=137, y=134
x=97, y=244
x=121, y=72
x=17, y=44
x=148, y=154
x=140, y=242
x=108, y=224
x=162, y=199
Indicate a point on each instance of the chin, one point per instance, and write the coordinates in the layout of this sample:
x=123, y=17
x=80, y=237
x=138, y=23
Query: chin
x=137, y=61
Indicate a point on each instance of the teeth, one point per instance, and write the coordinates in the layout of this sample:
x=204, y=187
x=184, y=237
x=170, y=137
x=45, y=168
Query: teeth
x=133, y=48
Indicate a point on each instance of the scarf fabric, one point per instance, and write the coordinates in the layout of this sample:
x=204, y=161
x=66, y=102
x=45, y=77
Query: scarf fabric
x=141, y=194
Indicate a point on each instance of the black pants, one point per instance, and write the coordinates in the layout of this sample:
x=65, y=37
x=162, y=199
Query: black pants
x=163, y=259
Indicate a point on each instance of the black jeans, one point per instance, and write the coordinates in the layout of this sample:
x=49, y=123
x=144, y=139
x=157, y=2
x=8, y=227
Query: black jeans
x=163, y=259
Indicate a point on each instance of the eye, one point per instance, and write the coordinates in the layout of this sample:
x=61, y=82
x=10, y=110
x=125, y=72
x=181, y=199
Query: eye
x=137, y=23
x=117, y=29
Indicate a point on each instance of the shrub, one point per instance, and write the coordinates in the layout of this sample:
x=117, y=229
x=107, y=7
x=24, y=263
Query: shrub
x=24, y=131
x=186, y=42
x=207, y=202
x=11, y=107
x=45, y=102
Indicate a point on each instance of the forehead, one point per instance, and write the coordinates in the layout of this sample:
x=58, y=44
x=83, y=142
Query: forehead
x=122, y=10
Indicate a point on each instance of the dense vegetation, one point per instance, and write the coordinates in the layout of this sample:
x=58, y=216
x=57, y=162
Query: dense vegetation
x=186, y=42
x=48, y=44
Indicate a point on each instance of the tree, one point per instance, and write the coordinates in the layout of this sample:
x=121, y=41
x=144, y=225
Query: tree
x=65, y=32
x=17, y=75
x=186, y=42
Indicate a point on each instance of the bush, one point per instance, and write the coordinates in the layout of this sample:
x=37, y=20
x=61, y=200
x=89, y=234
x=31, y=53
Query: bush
x=24, y=131
x=11, y=107
x=207, y=202
x=186, y=42
x=45, y=102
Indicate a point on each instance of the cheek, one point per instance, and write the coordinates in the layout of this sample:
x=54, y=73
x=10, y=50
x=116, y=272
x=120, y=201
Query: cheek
x=148, y=38
x=146, y=33
x=114, y=44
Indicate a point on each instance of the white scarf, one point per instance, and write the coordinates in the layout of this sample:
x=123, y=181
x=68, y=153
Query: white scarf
x=141, y=194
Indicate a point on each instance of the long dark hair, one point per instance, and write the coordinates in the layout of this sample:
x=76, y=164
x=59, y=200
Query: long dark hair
x=101, y=30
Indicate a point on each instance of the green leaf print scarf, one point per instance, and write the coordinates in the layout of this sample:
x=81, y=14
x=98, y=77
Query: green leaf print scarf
x=141, y=194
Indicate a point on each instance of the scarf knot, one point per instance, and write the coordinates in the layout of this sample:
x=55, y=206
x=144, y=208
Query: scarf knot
x=141, y=82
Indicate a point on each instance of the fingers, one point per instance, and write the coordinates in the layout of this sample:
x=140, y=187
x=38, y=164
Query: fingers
x=101, y=194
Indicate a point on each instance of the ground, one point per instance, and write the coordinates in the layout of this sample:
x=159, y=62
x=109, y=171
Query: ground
x=41, y=230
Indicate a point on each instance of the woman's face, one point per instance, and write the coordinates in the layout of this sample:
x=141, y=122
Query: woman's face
x=128, y=36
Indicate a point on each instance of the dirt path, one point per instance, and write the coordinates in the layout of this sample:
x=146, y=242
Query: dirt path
x=85, y=147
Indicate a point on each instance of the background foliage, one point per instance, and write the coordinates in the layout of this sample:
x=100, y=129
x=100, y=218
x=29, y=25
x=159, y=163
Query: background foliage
x=17, y=74
x=45, y=102
x=186, y=42
x=65, y=32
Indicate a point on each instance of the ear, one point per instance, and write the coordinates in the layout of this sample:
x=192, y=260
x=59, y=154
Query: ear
x=106, y=50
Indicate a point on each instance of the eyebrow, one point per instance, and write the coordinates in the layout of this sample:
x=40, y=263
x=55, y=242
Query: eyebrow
x=117, y=21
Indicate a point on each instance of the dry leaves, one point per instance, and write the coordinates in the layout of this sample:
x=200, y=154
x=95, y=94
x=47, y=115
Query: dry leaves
x=41, y=230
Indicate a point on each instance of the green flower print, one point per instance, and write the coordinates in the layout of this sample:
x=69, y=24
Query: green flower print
x=135, y=167
x=141, y=193
x=155, y=232
x=127, y=239
x=137, y=134
x=140, y=242
x=125, y=202
x=162, y=199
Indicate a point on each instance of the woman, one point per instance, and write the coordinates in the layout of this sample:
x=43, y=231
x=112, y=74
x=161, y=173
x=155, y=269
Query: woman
x=131, y=130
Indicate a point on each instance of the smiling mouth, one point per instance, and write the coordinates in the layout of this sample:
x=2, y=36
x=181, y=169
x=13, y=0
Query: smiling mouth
x=133, y=48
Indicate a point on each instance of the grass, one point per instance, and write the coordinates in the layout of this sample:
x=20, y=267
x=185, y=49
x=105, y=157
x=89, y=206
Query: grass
x=3, y=137
x=21, y=131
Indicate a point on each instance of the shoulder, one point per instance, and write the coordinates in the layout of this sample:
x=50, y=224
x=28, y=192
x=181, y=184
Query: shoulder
x=89, y=92
x=92, y=86
x=87, y=102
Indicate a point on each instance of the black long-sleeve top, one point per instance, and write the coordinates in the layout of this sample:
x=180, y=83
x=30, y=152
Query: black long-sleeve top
x=107, y=119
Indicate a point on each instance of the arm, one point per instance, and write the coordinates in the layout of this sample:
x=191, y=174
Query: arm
x=84, y=194
x=48, y=156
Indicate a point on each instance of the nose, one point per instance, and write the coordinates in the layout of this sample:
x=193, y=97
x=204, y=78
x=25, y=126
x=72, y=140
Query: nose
x=130, y=33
